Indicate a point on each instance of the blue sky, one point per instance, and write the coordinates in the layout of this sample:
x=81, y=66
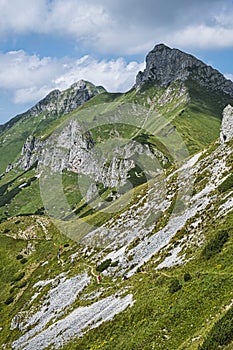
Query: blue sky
x=48, y=44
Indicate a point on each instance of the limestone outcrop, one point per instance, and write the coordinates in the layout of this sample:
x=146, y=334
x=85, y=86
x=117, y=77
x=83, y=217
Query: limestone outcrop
x=165, y=65
x=226, y=133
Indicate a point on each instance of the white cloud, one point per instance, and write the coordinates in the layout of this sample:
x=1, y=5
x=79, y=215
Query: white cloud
x=19, y=16
x=229, y=76
x=123, y=27
x=203, y=37
x=29, y=78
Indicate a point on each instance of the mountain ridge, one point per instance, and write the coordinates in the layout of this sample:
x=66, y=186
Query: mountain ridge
x=167, y=65
x=116, y=220
x=60, y=102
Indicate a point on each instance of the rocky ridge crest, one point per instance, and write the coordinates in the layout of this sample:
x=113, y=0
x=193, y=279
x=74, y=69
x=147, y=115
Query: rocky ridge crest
x=166, y=65
x=60, y=102
x=64, y=102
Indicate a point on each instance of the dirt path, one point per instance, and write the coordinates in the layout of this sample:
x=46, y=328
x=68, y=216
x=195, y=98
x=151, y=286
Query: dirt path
x=92, y=270
x=94, y=274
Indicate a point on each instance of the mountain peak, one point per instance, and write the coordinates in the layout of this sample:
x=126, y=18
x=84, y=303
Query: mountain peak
x=165, y=65
x=60, y=102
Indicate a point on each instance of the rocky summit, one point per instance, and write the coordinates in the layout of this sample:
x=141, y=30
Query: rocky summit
x=116, y=214
x=166, y=65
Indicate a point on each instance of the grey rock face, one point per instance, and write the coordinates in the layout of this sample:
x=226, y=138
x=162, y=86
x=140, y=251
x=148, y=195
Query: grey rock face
x=166, y=65
x=74, y=149
x=227, y=124
x=30, y=153
x=9, y=168
x=63, y=102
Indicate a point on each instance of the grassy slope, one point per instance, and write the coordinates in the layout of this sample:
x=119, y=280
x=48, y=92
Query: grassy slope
x=158, y=319
x=200, y=121
x=10, y=267
x=161, y=320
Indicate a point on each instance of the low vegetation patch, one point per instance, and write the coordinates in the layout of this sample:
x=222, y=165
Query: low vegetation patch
x=9, y=300
x=174, y=286
x=221, y=334
x=18, y=277
x=226, y=184
x=104, y=265
x=215, y=245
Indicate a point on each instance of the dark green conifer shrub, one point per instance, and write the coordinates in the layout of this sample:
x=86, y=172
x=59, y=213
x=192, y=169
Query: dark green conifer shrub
x=174, y=286
x=104, y=265
x=9, y=300
x=187, y=277
x=215, y=244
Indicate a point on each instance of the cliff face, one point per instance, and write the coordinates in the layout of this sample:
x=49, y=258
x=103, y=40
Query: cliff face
x=227, y=124
x=73, y=149
x=166, y=65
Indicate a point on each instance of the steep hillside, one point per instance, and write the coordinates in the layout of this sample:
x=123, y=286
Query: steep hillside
x=116, y=221
x=174, y=249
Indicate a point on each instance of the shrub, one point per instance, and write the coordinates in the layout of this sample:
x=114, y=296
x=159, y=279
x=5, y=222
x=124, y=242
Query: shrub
x=215, y=245
x=40, y=211
x=187, y=277
x=19, y=256
x=12, y=290
x=227, y=184
x=22, y=284
x=174, y=286
x=104, y=265
x=115, y=263
x=18, y=277
x=9, y=300
x=23, y=261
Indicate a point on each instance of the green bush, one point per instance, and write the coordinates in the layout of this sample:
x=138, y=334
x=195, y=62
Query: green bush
x=19, y=256
x=40, y=211
x=104, y=265
x=215, y=245
x=227, y=184
x=220, y=334
x=115, y=263
x=18, y=276
x=174, y=286
x=12, y=290
x=187, y=277
x=23, y=261
x=3, y=219
x=9, y=300
x=22, y=284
